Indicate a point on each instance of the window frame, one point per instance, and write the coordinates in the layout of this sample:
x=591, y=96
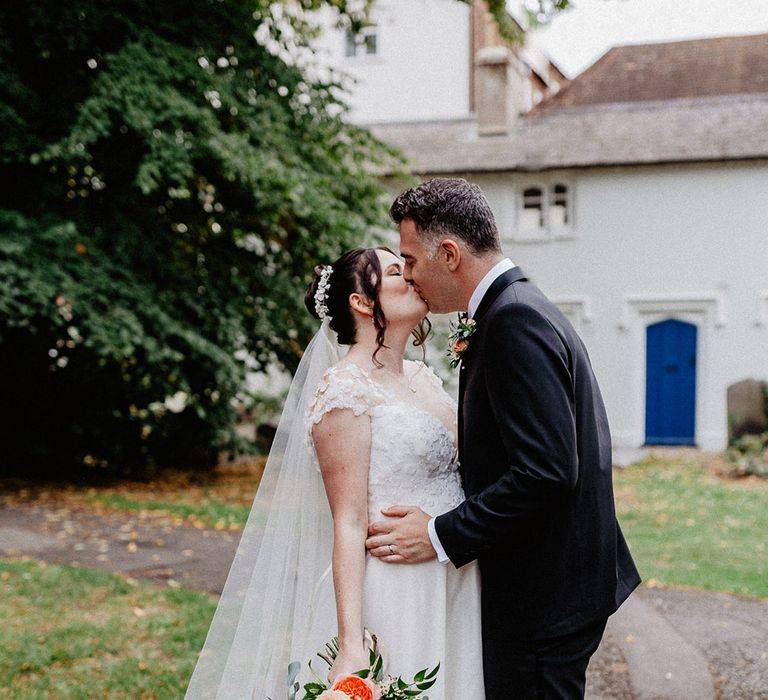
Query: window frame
x=550, y=229
x=361, y=43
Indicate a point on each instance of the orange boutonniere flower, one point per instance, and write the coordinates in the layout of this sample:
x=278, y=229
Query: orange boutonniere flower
x=461, y=332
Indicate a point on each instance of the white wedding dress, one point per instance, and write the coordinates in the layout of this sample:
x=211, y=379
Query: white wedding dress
x=422, y=613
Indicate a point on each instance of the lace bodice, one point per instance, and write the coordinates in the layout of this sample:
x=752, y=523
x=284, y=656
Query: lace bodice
x=413, y=458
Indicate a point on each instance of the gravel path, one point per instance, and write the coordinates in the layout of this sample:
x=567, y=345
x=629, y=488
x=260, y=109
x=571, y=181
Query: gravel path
x=148, y=545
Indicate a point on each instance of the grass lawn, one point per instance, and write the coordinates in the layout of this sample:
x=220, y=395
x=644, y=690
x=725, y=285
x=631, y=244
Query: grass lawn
x=688, y=527
x=79, y=633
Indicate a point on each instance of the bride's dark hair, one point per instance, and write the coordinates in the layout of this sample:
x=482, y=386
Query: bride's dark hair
x=357, y=271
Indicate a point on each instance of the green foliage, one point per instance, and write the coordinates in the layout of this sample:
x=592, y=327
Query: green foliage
x=538, y=12
x=749, y=455
x=172, y=177
x=391, y=688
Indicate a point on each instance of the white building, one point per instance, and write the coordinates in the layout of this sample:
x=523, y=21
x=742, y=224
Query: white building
x=415, y=60
x=636, y=197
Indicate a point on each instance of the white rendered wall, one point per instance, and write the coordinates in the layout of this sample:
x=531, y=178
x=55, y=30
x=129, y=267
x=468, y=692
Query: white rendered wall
x=421, y=69
x=650, y=243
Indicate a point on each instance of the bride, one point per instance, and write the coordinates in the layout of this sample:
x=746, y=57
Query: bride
x=359, y=431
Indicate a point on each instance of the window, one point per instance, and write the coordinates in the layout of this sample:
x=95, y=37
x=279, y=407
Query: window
x=544, y=211
x=558, y=206
x=363, y=43
x=532, y=217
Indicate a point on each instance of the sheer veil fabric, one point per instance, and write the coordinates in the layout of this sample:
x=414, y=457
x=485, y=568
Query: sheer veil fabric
x=271, y=600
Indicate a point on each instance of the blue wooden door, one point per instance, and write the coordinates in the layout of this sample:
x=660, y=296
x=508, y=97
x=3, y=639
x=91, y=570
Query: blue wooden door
x=670, y=390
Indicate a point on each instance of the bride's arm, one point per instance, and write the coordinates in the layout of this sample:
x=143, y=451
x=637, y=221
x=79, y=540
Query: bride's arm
x=343, y=444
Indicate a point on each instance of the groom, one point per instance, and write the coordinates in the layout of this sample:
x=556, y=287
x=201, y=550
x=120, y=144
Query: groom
x=535, y=454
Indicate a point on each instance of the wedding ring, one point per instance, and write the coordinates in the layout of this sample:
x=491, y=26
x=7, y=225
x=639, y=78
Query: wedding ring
x=391, y=551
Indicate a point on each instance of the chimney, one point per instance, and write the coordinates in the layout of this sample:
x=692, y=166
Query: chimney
x=500, y=89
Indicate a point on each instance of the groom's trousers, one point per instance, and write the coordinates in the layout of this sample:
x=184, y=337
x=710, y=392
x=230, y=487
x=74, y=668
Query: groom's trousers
x=544, y=669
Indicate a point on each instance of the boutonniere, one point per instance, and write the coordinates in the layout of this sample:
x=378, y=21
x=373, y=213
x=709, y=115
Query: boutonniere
x=458, y=340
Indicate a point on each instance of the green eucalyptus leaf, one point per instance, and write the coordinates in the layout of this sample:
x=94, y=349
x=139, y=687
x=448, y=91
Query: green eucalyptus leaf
x=433, y=672
x=293, y=671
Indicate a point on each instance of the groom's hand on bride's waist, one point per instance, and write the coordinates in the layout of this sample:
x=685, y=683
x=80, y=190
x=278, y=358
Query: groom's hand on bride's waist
x=402, y=538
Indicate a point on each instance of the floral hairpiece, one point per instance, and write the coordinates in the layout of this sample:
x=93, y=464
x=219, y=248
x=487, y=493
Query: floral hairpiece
x=321, y=293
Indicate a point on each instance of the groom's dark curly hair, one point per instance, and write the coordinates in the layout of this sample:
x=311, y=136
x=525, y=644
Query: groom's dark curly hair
x=449, y=206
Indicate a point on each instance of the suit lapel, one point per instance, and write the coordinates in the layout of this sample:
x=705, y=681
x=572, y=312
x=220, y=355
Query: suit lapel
x=503, y=281
x=462, y=384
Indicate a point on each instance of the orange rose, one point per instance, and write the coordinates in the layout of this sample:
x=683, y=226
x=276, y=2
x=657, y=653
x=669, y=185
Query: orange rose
x=355, y=687
x=460, y=345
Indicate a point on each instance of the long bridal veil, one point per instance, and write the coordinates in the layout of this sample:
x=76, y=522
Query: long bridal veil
x=271, y=599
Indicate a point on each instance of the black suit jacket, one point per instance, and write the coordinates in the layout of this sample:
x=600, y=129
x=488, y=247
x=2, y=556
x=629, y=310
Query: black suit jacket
x=536, y=464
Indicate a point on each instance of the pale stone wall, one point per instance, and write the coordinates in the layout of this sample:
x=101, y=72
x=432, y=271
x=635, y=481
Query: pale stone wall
x=420, y=71
x=650, y=243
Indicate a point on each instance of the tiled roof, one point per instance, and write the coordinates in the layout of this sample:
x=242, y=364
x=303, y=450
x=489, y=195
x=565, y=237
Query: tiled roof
x=667, y=71
x=702, y=100
x=693, y=130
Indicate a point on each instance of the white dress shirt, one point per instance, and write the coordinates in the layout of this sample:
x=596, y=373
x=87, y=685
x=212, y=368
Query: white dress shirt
x=474, y=301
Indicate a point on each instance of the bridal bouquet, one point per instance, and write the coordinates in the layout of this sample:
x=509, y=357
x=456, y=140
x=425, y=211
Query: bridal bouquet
x=367, y=684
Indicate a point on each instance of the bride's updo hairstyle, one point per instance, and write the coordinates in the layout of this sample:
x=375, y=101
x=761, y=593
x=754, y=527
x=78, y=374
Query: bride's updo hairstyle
x=357, y=271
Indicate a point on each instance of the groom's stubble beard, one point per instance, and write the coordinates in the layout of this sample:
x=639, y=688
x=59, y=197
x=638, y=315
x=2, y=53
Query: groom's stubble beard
x=441, y=308
x=435, y=279
x=446, y=297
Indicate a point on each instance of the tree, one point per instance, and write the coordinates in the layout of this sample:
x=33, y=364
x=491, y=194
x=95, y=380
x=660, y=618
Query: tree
x=172, y=174
x=170, y=183
x=537, y=12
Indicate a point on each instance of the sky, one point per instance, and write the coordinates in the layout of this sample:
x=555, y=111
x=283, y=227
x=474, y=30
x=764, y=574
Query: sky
x=577, y=37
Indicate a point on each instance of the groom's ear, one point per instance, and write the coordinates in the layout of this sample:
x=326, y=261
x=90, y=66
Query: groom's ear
x=450, y=252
